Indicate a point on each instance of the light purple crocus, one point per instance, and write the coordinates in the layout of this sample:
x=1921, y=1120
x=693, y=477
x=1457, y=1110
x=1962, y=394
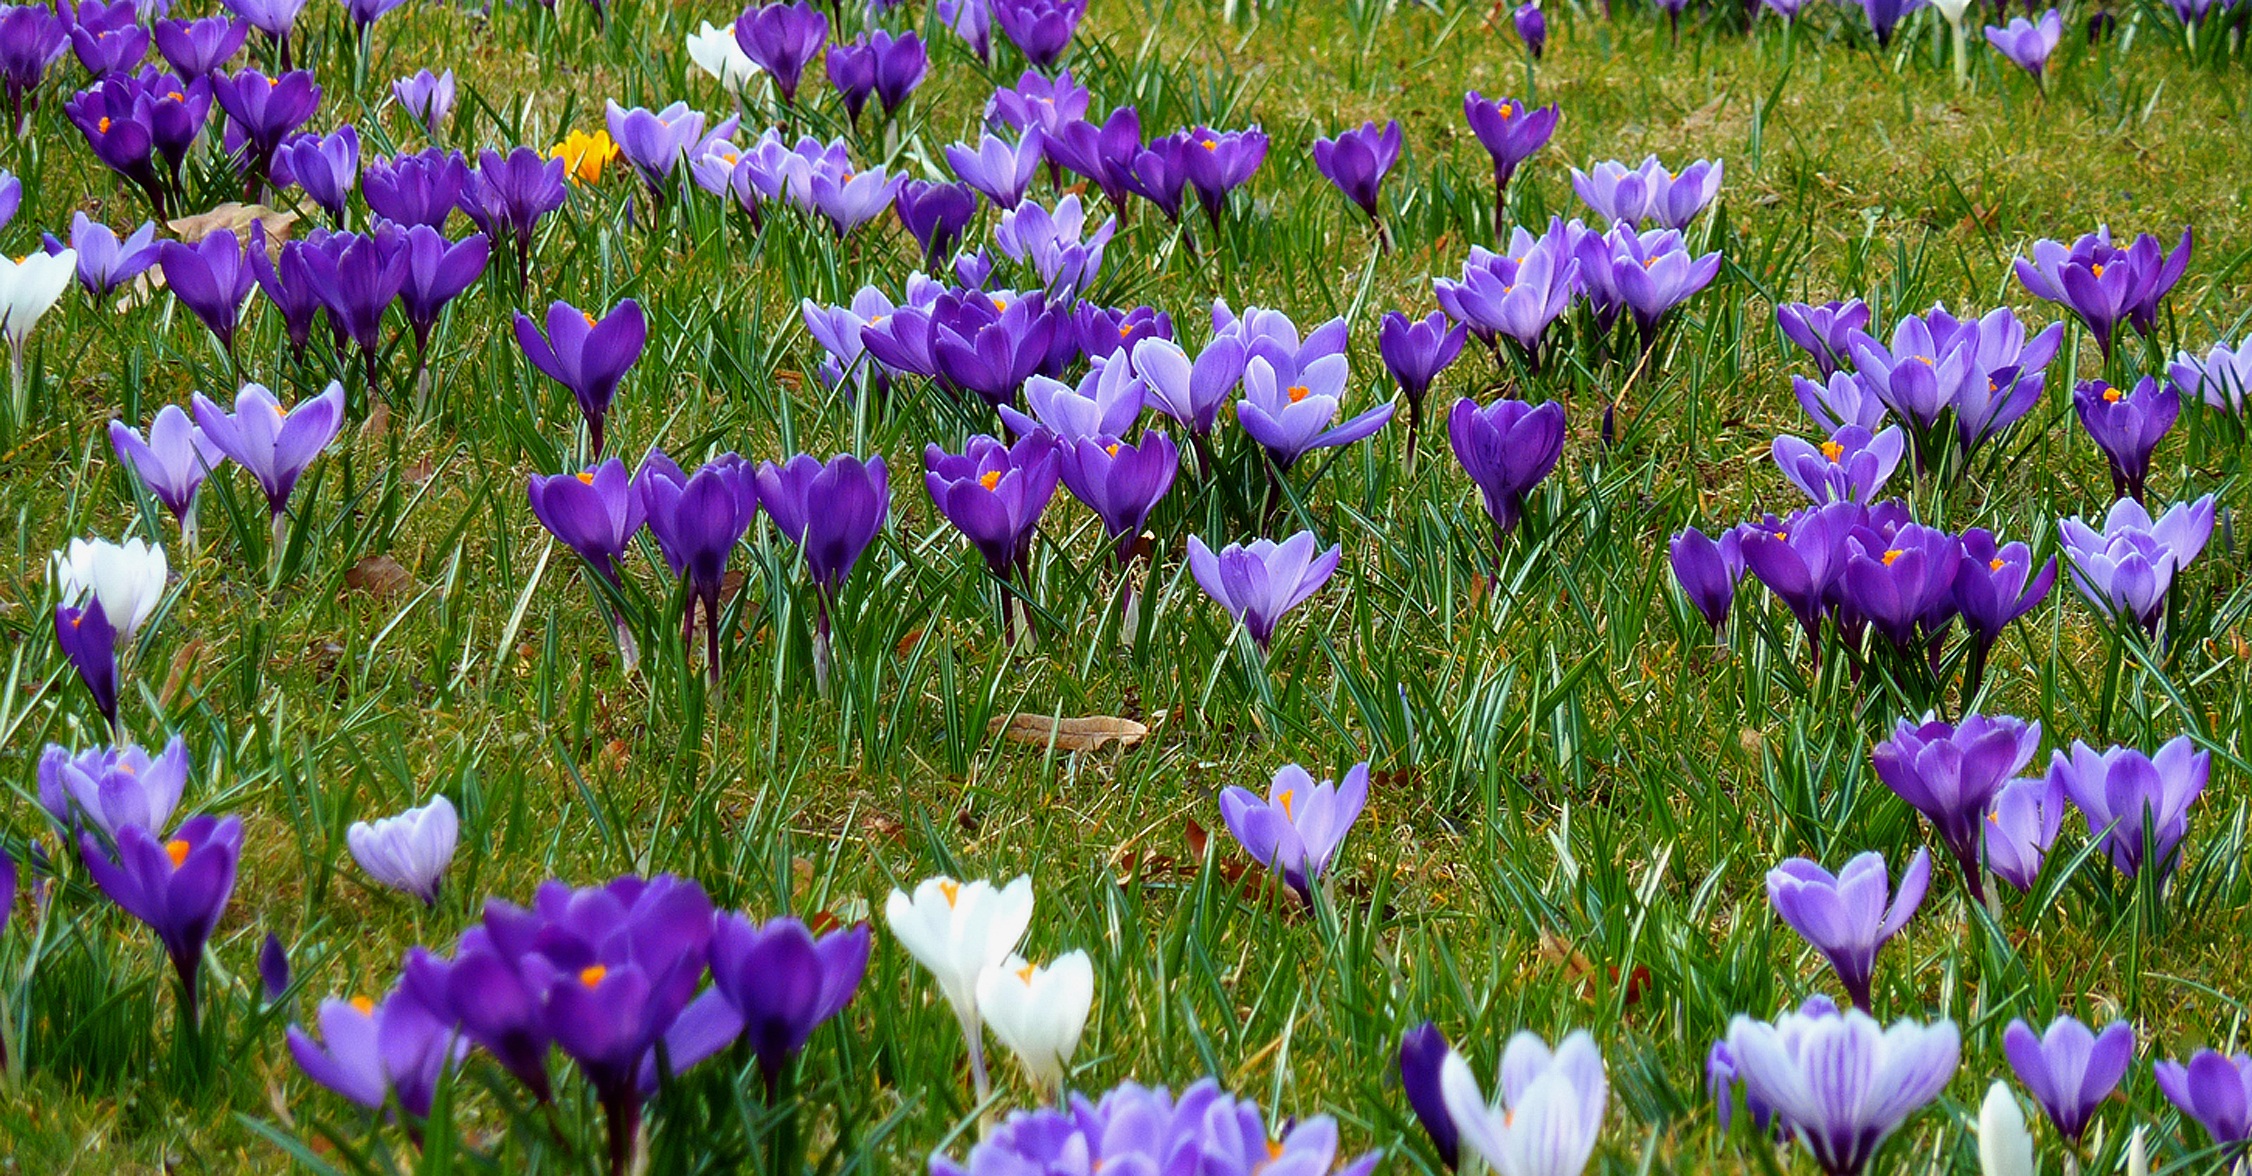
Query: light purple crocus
x=1848, y=916
x=1058, y=245
x=1547, y=1114
x=1288, y=409
x=273, y=443
x=1852, y=466
x=2127, y=426
x=2069, y=1070
x=1841, y=402
x=2216, y=1090
x=1921, y=374
x=1259, y=583
x=2021, y=825
x=1822, y=331
x=2130, y=798
x=999, y=169
x=2125, y=569
x=2029, y=43
x=171, y=463
x=2222, y=379
x=1840, y=1082
x=426, y=99
x=1105, y=404
x=368, y=1051
x=111, y=788
x=104, y=262
x=1296, y=829
x=1190, y=393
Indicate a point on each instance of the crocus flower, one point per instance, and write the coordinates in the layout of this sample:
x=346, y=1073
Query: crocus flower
x=994, y=494
x=971, y=20
x=783, y=39
x=1923, y=373
x=357, y=278
x=2005, y=1148
x=11, y=197
x=120, y=126
x=265, y=110
x=1852, y=466
x=90, y=644
x=1120, y=481
x=2127, y=427
x=1159, y=174
x=901, y=63
x=957, y=930
x=1547, y=1113
x=1506, y=447
x=438, y=271
x=1423, y=1051
x=273, y=443
x=1902, y=584
x=197, y=48
x=831, y=510
x=1844, y=401
x=697, y=520
x=585, y=156
x=997, y=168
x=1061, y=250
x=179, y=886
x=1141, y=1129
x=595, y=512
x=2221, y=379
x=585, y=354
x=1952, y=772
x=171, y=463
x=2020, y=827
x=273, y=969
x=113, y=788
x=1654, y=272
x=2068, y=1069
x=654, y=142
x=935, y=215
x=1260, y=583
x=852, y=70
x=1415, y=352
x=426, y=99
x=1218, y=162
x=364, y=13
x=108, y=40
x=1532, y=28
x=1839, y=1082
x=1104, y=154
x=1519, y=298
x=1039, y=1012
x=2029, y=43
x=128, y=578
x=1824, y=331
x=1846, y=915
x=1511, y=135
x=782, y=983
x=715, y=51
x=1707, y=571
x=2103, y=284
x=1296, y=829
x=1997, y=583
x=1288, y=408
x=408, y=852
x=369, y=1051
x=1357, y=160
x=326, y=167
x=509, y=194
x=1190, y=393
x=1105, y=404
x=274, y=18
x=211, y=278
x=2214, y=1089
x=32, y=37
x=1109, y=331
x=2125, y=569
x=1885, y=15
x=1040, y=29
x=1800, y=558
x=2130, y=798
x=1051, y=104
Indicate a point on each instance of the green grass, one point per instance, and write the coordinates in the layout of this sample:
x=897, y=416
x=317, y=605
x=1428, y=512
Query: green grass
x=1573, y=783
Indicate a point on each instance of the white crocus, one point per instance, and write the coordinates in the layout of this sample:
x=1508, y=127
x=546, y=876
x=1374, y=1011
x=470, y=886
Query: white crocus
x=28, y=287
x=1039, y=1013
x=715, y=51
x=408, y=852
x=127, y=578
x=1953, y=10
x=2004, y=1147
x=1546, y=1116
x=957, y=930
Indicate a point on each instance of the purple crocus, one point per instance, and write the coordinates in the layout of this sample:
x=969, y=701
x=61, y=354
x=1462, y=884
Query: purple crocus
x=1159, y=174
x=287, y=282
x=1216, y=163
x=508, y=195
x=1995, y=584
x=2029, y=43
x=585, y=354
x=852, y=70
x=273, y=443
x=595, y=512
x=197, y=48
x=1506, y=447
x=989, y=343
x=89, y=642
x=1653, y=272
x=1840, y=1082
x=1800, y=558
x=2136, y=804
x=2103, y=284
x=994, y=494
x=1415, y=352
x=1951, y=773
x=655, y=142
x=1057, y=244
x=1852, y=466
x=1296, y=829
x=1190, y=393
x=832, y=510
x=275, y=18
x=326, y=167
x=2127, y=427
x=782, y=983
x=697, y=521
x=273, y=970
x=2216, y=1090
x=1040, y=29
x=2068, y=1069
x=1120, y=481
x=113, y=788
x=2125, y=569
x=1105, y=331
x=1259, y=583
x=1824, y=332
x=1707, y=571
x=1288, y=407
x=368, y=1051
x=1925, y=371
x=1510, y=134
x=1532, y=28
x=438, y=271
x=426, y=98
x=935, y=215
x=357, y=278
x=1357, y=160
x=1423, y=1050
x=783, y=39
x=1518, y=298
x=179, y=885
x=104, y=262
x=1843, y=401
x=1104, y=154
x=1846, y=915
x=901, y=63
x=1902, y=584
x=1134, y=1129
x=120, y=128
x=999, y=169
x=32, y=37
x=108, y=41
x=2222, y=379
x=971, y=20
x=211, y=278
x=265, y=110
x=170, y=464
x=2021, y=825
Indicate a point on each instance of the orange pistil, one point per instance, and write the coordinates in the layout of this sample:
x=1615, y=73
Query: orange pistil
x=1833, y=450
x=951, y=889
x=2111, y=395
x=1299, y=392
x=592, y=974
x=363, y=1005
x=1892, y=555
x=1994, y=566
x=989, y=479
x=586, y=477
x=177, y=850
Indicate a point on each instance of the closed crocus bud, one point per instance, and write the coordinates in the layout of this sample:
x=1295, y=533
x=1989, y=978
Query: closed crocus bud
x=1707, y=571
x=273, y=968
x=1423, y=1051
x=1038, y=1013
x=2004, y=1146
x=1532, y=28
x=408, y=852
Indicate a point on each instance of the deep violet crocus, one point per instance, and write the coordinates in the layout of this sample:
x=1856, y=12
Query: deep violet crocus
x=990, y=343
x=783, y=39
x=418, y=188
x=1357, y=160
x=197, y=48
x=1296, y=829
x=2127, y=426
x=1903, y=584
x=327, y=167
x=178, y=885
x=585, y=354
x=1120, y=481
x=106, y=48
x=32, y=37
x=2069, y=1070
x=901, y=63
x=1218, y=162
x=1996, y=583
x=273, y=969
x=1510, y=134
x=2103, y=284
x=1258, y=583
x=438, y=271
x=508, y=195
x=782, y=983
x=1104, y=331
x=1532, y=28
x=832, y=510
x=1707, y=571
x=1415, y=352
x=596, y=513
x=2215, y=1089
x=935, y=215
x=697, y=521
x=1040, y=29
x=1824, y=331
x=1848, y=916
x=211, y=278
x=1423, y=1050
x=265, y=110
x=1951, y=773
x=1800, y=559
x=1840, y=1082
x=110, y=788
x=852, y=70
x=2130, y=798
x=273, y=443
x=171, y=463
x=994, y=494
x=89, y=641
x=357, y=278
x=1506, y=447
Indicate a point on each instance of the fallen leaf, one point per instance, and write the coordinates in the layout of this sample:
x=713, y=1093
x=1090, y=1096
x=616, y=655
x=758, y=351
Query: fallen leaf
x=379, y=576
x=378, y=422
x=1555, y=950
x=1086, y=733
x=235, y=217
x=181, y=673
x=614, y=755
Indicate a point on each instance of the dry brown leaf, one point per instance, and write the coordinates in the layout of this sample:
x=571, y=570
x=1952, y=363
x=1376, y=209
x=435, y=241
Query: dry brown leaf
x=378, y=423
x=379, y=576
x=1085, y=733
x=181, y=672
x=235, y=217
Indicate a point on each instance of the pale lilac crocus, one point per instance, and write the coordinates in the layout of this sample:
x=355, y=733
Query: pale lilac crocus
x=410, y=851
x=1848, y=916
x=2069, y=1070
x=2021, y=825
x=171, y=462
x=2130, y=798
x=2125, y=569
x=1298, y=826
x=1852, y=466
x=2221, y=380
x=1260, y=582
x=273, y=443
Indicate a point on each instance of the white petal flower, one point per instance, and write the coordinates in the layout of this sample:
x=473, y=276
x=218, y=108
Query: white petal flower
x=29, y=287
x=715, y=51
x=958, y=929
x=127, y=578
x=1039, y=1012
